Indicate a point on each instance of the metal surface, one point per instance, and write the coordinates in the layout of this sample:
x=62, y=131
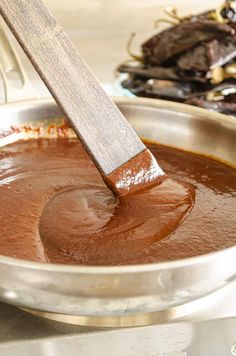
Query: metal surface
x=172, y=314
x=211, y=331
x=124, y=291
x=15, y=80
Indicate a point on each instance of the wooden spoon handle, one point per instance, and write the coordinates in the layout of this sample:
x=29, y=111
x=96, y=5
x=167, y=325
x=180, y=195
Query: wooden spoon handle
x=103, y=130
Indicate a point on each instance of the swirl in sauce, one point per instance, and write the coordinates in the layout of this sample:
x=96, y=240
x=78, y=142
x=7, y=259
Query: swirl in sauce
x=56, y=208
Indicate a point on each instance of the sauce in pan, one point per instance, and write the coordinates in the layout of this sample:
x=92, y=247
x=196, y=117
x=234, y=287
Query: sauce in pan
x=56, y=208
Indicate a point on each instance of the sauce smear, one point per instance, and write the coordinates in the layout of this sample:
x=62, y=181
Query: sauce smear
x=56, y=208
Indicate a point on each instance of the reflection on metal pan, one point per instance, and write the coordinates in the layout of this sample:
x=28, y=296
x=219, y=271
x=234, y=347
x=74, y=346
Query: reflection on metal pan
x=127, y=290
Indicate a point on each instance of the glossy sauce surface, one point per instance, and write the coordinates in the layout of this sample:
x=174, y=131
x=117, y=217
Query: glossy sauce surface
x=56, y=208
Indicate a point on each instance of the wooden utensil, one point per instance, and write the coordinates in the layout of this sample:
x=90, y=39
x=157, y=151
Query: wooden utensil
x=119, y=154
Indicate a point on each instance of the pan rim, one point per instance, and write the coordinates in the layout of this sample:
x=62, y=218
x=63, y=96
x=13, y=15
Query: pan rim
x=110, y=270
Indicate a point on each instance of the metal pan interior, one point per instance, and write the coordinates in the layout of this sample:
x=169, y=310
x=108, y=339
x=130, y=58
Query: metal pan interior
x=126, y=290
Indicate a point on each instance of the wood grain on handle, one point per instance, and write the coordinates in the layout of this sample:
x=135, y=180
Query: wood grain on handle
x=103, y=130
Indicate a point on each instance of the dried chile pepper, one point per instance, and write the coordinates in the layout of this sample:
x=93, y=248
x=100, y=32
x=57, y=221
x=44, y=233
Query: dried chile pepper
x=187, y=61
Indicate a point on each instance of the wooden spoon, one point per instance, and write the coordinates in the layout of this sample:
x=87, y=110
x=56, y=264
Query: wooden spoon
x=118, y=153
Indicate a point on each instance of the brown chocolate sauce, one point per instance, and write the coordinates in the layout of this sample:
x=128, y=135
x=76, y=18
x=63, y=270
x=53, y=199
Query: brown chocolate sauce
x=56, y=208
x=139, y=172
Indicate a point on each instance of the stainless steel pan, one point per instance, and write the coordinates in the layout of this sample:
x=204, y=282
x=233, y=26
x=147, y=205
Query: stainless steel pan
x=127, y=295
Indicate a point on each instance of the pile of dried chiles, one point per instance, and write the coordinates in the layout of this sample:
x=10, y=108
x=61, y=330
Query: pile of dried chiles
x=192, y=61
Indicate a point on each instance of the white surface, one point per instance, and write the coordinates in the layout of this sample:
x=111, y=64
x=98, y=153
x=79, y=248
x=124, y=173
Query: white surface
x=212, y=338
